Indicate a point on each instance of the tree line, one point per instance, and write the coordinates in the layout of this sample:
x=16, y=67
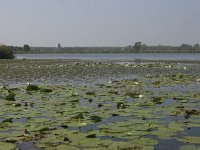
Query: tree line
x=143, y=48
x=7, y=52
x=137, y=47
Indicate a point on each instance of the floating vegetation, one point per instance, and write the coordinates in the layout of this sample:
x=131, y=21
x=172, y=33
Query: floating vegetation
x=96, y=118
x=158, y=100
x=135, y=112
x=134, y=95
x=10, y=96
x=190, y=139
x=45, y=90
x=7, y=146
x=32, y=87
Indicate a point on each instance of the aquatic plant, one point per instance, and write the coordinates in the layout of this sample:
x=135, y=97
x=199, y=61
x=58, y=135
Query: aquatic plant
x=10, y=96
x=32, y=87
x=128, y=113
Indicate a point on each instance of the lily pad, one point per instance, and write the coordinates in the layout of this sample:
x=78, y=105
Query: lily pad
x=10, y=97
x=32, y=87
x=45, y=90
x=190, y=139
x=66, y=147
x=189, y=147
x=7, y=146
x=158, y=100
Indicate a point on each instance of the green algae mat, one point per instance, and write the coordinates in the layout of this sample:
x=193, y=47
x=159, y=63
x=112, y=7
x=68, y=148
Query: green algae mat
x=133, y=109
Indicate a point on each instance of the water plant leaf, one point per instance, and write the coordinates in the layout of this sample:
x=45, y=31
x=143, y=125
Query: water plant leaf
x=144, y=141
x=189, y=147
x=190, y=139
x=10, y=96
x=89, y=143
x=134, y=95
x=8, y=120
x=90, y=93
x=96, y=118
x=79, y=116
x=45, y=90
x=66, y=147
x=32, y=87
x=176, y=126
x=123, y=145
x=158, y=100
x=4, y=124
x=91, y=136
x=7, y=146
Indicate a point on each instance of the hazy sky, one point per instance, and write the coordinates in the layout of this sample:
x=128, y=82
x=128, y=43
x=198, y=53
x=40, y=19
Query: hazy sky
x=99, y=22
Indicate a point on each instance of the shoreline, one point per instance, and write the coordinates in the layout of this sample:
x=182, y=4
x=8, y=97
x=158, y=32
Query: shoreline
x=116, y=60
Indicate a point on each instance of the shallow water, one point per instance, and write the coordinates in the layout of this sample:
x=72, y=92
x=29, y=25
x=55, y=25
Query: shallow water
x=114, y=56
x=110, y=82
x=48, y=72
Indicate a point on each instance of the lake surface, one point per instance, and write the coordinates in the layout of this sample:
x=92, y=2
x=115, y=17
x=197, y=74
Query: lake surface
x=108, y=104
x=116, y=56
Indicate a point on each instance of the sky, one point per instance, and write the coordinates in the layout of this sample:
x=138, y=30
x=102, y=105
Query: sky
x=99, y=22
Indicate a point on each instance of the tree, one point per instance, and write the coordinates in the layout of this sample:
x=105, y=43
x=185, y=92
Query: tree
x=196, y=46
x=26, y=48
x=186, y=47
x=6, y=52
x=59, y=45
x=137, y=46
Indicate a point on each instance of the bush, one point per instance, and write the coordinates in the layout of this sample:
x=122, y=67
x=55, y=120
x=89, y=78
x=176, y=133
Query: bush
x=6, y=52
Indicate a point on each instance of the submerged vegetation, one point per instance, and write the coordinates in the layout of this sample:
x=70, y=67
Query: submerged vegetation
x=91, y=105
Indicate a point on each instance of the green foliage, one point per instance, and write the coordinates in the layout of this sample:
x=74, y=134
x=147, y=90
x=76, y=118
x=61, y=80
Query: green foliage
x=68, y=117
x=6, y=52
x=10, y=97
x=137, y=46
x=32, y=87
x=45, y=90
x=26, y=48
x=196, y=46
x=7, y=146
x=59, y=45
x=157, y=100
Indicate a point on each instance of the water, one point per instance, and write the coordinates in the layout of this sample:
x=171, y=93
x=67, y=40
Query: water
x=114, y=56
x=48, y=70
